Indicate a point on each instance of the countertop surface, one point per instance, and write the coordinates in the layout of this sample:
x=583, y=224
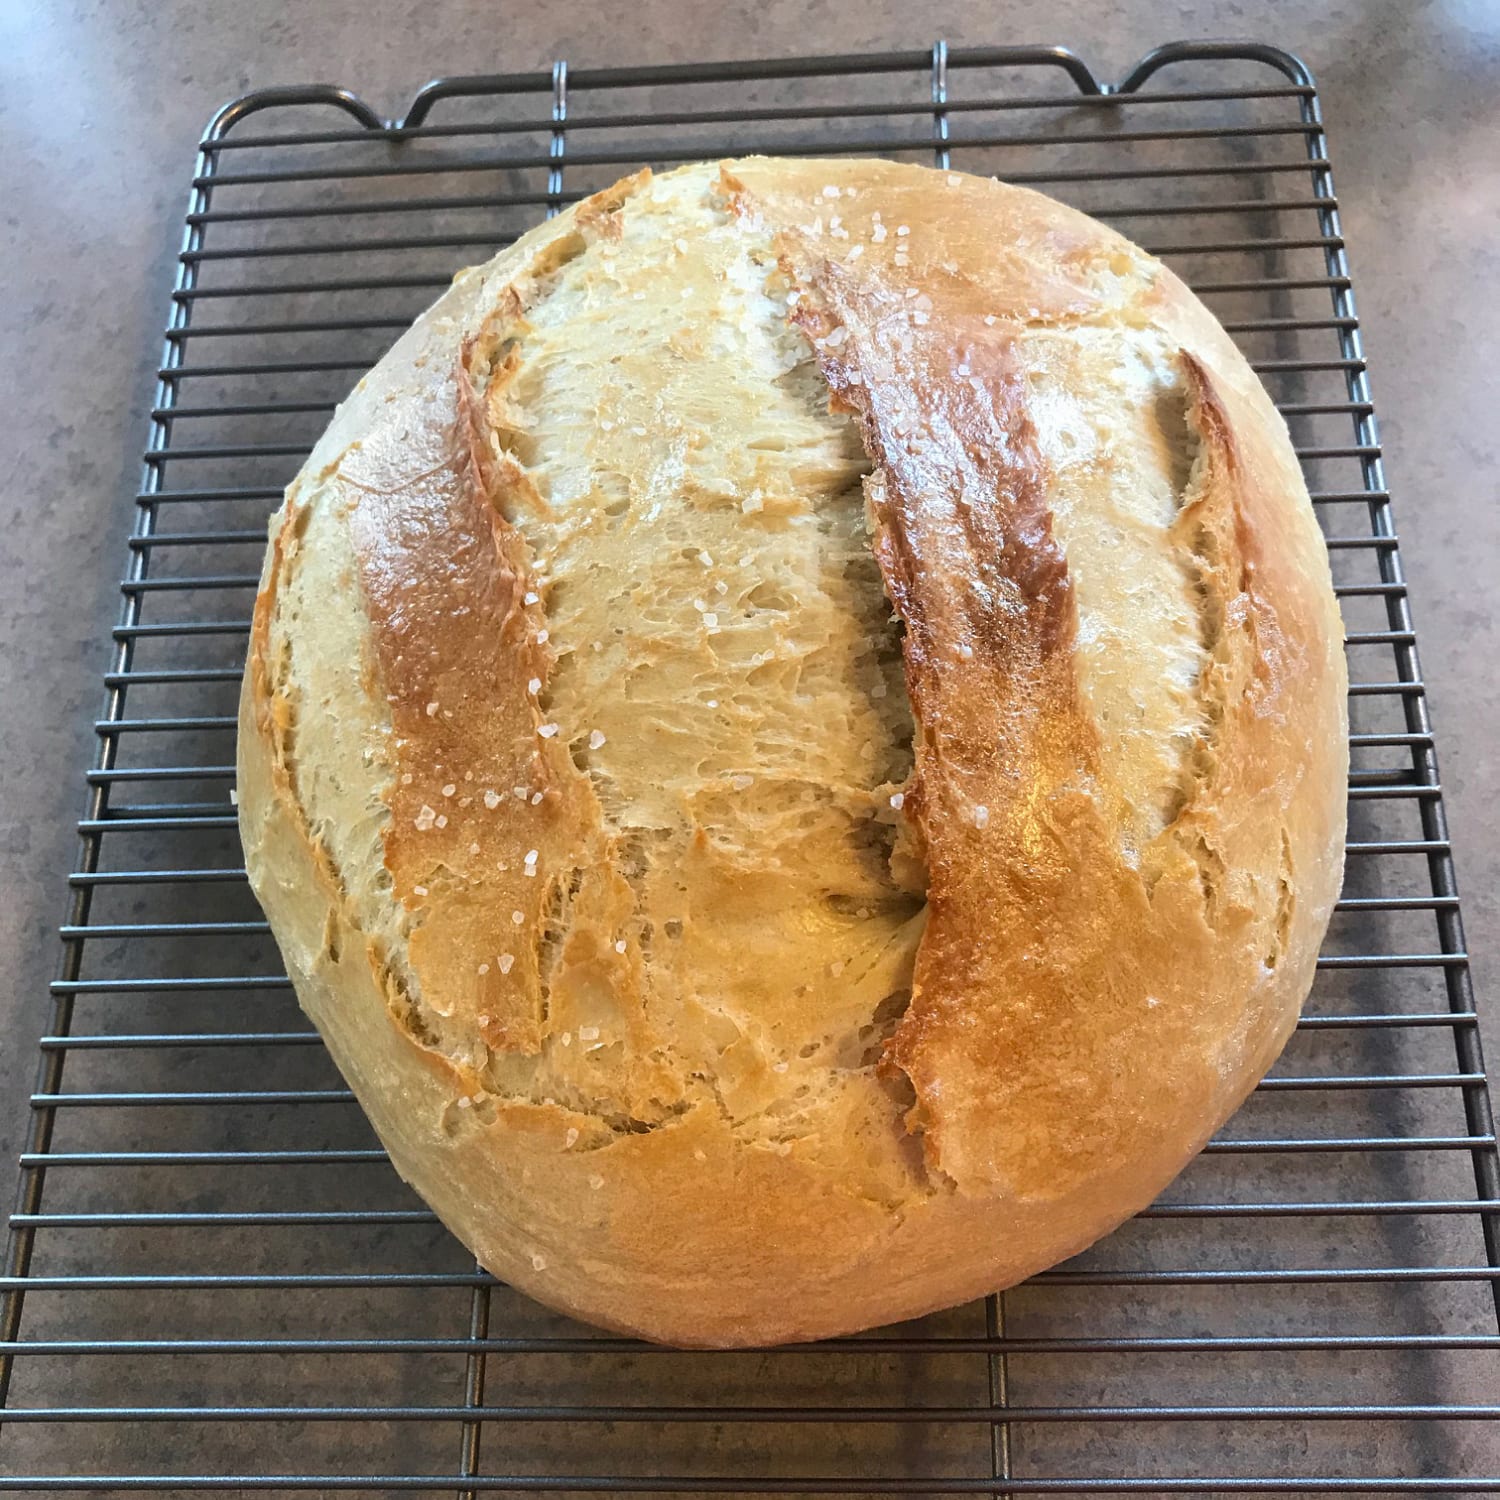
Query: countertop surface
x=101, y=106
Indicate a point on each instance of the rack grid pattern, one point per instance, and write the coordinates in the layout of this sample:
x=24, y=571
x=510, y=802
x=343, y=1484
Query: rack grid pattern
x=215, y=1282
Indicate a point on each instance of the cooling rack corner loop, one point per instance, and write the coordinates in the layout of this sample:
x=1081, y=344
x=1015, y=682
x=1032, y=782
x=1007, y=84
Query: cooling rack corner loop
x=230, y=114
x=1227, y=50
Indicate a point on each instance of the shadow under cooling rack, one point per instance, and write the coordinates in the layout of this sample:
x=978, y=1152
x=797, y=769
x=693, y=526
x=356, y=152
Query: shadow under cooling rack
x=216, y=1282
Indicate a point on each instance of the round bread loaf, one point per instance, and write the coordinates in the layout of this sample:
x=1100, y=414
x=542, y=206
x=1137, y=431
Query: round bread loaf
x=794, y=745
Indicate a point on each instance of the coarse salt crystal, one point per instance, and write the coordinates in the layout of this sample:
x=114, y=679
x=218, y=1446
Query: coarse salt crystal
x=536, y=798
x=531, y=856
x=450, y=788
x=596, y=739
x=546, y=730
x=954, y=179
x=442, y=820
x=700, y=1155
x=965, y=651
x=571, y=1137
x=902, y=230
x=680, y=245
x=981, y=816
x=596, y=1181
x=919, y=317
x=712, y=703
x=491, y=798
x=538, y=1262
x=619, y=945
x=836, y=968
x=989, y=320
x=530, y=597
x=837, y=337
x=752, y=503
x=507, y=962
x=432, y=708
x=898, y=800
x=778, y=1067
x=711, y=619
x=878, y=233
x=567, y=1039
x=830, y=191
x=588, y=1033
x=234, y=797
x=534, y=685
x=518, y=917
x=541, y=637
x=484, y=968
x=406, y=778
x=706, y=559
x=425, y=818
x=419, y=890
x=474, y=847
x=463, y=1102
x=739, y=783
x=855, y=252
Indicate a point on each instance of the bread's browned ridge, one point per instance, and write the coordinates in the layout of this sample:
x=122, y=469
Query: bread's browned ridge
x=794, y=745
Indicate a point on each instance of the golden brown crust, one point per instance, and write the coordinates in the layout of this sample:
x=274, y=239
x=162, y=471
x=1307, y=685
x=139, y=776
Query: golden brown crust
x=1122, y=919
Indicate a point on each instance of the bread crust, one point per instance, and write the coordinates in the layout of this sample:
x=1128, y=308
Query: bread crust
x=1120, y=923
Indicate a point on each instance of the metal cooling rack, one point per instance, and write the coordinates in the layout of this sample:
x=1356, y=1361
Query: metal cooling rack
x=215, y=1281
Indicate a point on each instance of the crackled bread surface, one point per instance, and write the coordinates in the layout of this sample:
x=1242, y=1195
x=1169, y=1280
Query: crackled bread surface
x=794, y=747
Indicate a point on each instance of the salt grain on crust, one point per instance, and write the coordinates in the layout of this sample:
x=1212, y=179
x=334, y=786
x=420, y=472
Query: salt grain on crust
x=507, y=962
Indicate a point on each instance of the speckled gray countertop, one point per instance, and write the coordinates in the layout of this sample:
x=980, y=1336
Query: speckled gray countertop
x=100, y=109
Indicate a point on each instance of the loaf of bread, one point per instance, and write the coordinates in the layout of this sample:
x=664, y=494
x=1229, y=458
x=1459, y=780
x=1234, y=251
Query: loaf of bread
x=794, y=745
